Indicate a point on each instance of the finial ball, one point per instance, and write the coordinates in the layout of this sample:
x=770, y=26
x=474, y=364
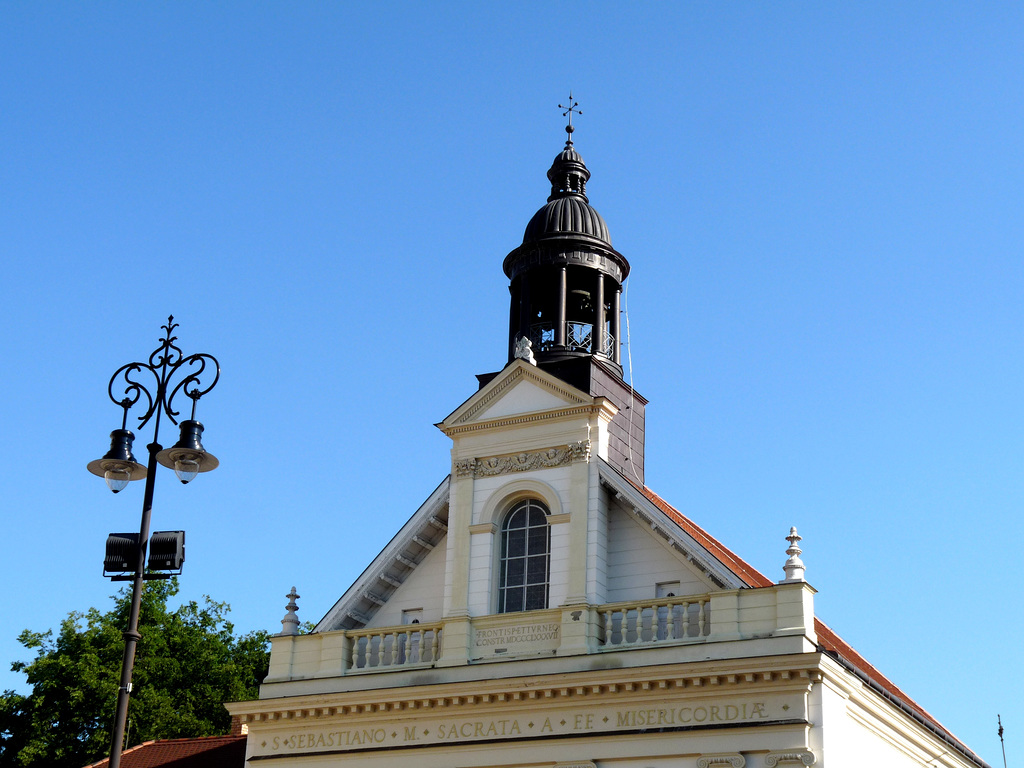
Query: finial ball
x=569, y=128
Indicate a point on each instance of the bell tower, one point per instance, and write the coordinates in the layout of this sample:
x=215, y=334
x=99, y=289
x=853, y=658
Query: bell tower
x=566, y=278
x=566, y=287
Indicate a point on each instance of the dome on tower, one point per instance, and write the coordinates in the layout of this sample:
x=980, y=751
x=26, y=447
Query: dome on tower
x=567, y=213
x=567, y=216
x=565, y=280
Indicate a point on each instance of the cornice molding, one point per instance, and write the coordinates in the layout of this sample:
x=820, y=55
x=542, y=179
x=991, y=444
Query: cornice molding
x=791, y=677
x=491, y=396
x=587, y=409
x=552, y=385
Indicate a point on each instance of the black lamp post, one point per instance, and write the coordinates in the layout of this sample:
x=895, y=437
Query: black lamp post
x=126, y=552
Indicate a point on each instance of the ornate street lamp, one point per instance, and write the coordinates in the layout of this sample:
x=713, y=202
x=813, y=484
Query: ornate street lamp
x=126, y=552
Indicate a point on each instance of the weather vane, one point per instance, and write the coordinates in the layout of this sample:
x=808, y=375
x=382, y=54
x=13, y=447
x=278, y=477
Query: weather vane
x=568, y=113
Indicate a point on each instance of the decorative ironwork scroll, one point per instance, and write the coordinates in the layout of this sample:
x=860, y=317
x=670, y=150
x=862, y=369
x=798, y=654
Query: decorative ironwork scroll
x=164, y=364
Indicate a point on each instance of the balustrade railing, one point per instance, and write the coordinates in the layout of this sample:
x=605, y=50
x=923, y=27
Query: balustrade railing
x=609, y=345
x=542, y=336
x=391, y=647
x=784, y=612
x=579, y=336
x=649, y=622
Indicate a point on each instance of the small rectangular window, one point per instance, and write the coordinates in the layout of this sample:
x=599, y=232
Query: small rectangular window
x=667, y=589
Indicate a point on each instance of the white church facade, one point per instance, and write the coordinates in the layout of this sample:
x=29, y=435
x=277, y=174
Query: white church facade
x=543, y=607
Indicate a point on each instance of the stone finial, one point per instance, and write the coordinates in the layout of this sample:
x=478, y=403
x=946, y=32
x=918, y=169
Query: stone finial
x=290, y=622
x=524, y=350
x=794, y=567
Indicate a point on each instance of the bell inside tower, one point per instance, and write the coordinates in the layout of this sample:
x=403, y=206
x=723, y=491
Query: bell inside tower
x=567, y=310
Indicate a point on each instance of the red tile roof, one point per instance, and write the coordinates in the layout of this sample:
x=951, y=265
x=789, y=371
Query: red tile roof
x=828, y=641
x=750, y=575
x=202, y=752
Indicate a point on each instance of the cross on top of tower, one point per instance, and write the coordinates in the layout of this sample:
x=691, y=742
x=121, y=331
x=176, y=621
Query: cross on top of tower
x=568, y=113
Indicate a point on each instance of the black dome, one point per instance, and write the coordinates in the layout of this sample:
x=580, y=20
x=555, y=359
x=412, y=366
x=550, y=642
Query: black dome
x=568, y=212
x=571, y=215
x=568, y=155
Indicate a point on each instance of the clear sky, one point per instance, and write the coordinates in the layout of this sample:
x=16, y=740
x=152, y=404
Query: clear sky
x=821, y=203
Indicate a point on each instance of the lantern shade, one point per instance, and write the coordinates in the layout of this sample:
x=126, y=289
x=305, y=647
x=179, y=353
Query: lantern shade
x=118, y=466
x=187, y=457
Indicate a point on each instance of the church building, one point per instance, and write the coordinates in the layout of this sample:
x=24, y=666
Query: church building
x=544, y=607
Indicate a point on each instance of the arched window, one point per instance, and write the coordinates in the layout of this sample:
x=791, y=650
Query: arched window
x=525, y=550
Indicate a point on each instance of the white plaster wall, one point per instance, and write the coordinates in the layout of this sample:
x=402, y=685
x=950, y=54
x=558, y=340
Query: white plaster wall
x=862, y=747
x=558, y=576
x=485, y=487
x=481, y=578
x=423, y=589
x=597, y=539
x=848, y=735
x=637, y=561
x=523, y=397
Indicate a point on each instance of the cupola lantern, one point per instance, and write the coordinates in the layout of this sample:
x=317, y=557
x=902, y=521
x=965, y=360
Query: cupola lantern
x=566, y=278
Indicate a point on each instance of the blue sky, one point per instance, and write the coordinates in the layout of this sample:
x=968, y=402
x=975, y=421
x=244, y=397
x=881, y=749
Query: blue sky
x=821, y=204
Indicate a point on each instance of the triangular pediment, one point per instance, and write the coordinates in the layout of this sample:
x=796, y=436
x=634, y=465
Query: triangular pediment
x=519, y=388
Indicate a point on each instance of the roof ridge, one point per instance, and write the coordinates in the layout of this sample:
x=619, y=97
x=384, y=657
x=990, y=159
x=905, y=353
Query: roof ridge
x=197, y=738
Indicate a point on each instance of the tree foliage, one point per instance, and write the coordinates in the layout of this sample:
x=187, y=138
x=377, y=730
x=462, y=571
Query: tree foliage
x=187, y=664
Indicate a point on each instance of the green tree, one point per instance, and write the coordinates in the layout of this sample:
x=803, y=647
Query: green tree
x=187, y=664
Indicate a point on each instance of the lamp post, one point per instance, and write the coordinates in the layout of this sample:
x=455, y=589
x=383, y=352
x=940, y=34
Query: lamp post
x=126, y=552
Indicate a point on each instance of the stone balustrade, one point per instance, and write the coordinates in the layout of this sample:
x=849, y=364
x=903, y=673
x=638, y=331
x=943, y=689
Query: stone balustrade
x=394, y=646
x=785, y=610
x=669, y=619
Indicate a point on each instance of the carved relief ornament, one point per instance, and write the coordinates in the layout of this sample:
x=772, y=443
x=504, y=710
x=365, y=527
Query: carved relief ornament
x=731, y=759
x=789, y=757
x=521, y=462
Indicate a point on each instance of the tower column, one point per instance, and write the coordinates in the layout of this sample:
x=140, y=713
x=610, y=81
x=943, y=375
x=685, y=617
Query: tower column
x=599, y=317
x=562, y=298
x=617, y=325
x=513, y=316
x=524, y=307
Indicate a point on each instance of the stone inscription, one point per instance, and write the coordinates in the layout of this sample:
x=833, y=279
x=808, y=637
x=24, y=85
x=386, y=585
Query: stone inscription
x=506, y=636
x=385, y=734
